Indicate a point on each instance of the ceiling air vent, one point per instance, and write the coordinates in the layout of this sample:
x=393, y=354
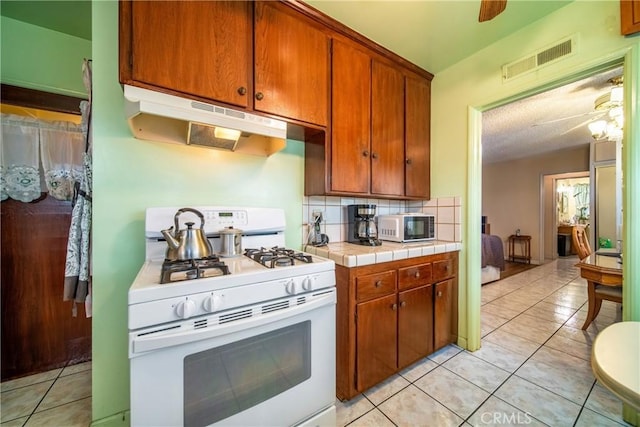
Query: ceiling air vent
x=535, y=61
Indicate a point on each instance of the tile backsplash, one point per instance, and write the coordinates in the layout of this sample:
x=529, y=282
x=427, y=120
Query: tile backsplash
x=447, y=212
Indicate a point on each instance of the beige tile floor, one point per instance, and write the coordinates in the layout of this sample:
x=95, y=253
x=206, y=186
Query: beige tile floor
x=532, y=369
x=56, y=398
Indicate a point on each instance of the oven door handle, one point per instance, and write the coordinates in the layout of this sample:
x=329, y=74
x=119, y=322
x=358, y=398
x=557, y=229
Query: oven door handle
x=144, y=343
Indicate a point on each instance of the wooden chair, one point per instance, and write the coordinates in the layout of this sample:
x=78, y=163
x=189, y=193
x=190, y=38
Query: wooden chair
x=597, y=292
x=581, y=241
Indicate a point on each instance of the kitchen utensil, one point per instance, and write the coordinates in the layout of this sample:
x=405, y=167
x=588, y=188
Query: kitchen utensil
x=187, y=243
x=230, y=242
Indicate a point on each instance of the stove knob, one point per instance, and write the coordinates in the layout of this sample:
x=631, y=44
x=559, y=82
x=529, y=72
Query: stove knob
x=212, y=303
x=185, y=309
x=290, y=287
x=307, y=284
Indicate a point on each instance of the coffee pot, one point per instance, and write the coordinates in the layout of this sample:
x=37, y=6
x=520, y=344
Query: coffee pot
x=189, y=243
x=362, y=226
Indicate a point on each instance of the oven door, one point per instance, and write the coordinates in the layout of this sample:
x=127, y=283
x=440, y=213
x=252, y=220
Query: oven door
x=275, y=368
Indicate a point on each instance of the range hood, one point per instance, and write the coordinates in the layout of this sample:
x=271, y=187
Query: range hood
x=157, y=116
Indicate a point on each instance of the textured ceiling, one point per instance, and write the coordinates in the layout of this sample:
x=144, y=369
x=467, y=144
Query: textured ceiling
x=550, y=121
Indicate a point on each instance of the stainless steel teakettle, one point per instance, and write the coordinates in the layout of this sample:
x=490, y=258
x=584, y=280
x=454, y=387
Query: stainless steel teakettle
x=189, y=243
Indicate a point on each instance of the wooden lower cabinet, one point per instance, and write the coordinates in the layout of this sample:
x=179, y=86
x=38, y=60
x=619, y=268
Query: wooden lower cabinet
x=390, y=315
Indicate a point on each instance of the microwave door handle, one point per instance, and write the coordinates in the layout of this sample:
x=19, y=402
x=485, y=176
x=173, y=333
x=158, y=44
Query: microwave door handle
x=141, y=344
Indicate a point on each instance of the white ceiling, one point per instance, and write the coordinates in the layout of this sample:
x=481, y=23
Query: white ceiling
x=550, y=121
x=434, y=34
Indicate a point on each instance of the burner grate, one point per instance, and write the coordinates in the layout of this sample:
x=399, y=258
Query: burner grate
x=179, y=270
x=277, y=256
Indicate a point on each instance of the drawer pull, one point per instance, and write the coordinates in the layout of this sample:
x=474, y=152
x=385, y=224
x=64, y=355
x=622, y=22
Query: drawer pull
x=417, y=274
x=378, y=283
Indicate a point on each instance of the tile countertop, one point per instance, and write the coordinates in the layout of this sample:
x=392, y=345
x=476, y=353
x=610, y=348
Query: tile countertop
x=351, y=255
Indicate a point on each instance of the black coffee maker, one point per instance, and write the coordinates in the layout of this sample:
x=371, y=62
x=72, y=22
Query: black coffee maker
x=362, y=228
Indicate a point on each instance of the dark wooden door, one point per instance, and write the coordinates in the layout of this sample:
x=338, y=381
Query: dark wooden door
x=38, y=330
x=291, y=64
x=387, y=130
x=376, y=337
x=351, y=119
x=202, y=48
x=415, y=325
x=417, y=138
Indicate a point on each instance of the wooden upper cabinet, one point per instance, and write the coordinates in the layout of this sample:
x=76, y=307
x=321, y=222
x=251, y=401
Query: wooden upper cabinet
x=351, y=119
x=200, y=48
x=291, y=64
x=629, y=16
x=387, y=130
x=417, y=138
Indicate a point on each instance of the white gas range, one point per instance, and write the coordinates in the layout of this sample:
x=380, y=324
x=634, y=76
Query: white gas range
x=250, y=342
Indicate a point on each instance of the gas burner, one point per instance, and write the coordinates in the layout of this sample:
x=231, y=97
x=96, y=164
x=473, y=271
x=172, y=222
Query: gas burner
x=176, y=271
x=277, y=256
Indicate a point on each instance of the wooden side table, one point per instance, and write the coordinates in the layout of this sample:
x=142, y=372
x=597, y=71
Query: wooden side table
x=524, y=243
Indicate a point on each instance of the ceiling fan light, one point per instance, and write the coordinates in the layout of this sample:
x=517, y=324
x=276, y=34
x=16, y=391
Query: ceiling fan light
x=598, y=128
x=616, y=95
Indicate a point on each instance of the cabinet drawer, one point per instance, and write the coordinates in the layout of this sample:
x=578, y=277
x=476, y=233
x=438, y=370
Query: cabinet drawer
x=415, y=275
x=442, y=270
x=375, y=285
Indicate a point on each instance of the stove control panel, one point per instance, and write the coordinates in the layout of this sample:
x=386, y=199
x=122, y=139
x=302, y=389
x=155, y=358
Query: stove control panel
x=189, y=306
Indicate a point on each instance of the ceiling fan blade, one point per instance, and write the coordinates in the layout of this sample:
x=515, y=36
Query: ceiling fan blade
x=583, y=124
x=489, y=9
x=561, y=119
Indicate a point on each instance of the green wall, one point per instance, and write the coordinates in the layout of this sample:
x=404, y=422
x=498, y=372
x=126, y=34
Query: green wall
x=462, y=91
x=131, y=175
x=37, y=58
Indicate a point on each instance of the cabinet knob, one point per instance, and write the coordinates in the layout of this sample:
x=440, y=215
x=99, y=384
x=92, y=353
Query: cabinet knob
x=365, y=153
x=242, y=90
x=403, y=303
x=408, y=161
x=394, y=307
x=374, y=156
x=439, y=294
x=417, y=274
x=259, y=96
x=378, y=283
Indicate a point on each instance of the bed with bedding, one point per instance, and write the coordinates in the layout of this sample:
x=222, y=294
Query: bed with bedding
x=492, y=258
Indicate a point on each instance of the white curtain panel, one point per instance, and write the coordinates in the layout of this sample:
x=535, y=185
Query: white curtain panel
x=39, y=156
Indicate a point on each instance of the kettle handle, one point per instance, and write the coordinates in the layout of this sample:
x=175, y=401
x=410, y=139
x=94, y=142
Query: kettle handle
x=197, y=212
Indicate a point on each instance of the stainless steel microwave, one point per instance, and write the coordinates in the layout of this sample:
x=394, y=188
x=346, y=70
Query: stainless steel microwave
x=406, y=227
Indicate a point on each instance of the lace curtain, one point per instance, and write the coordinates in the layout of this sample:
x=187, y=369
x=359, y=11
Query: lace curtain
x=38, y=156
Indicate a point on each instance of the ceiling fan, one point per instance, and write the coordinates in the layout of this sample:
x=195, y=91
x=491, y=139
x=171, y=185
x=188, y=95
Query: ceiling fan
x=489, y=9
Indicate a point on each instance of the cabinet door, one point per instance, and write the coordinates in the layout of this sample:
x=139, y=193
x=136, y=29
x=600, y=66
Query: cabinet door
x=291, y=64
x=376, y=340
x=443, y=313
x=201, y=48
x=415, y=325
x=629, y=16
x=417, y=138
x=350, y=119
x=387, y=137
